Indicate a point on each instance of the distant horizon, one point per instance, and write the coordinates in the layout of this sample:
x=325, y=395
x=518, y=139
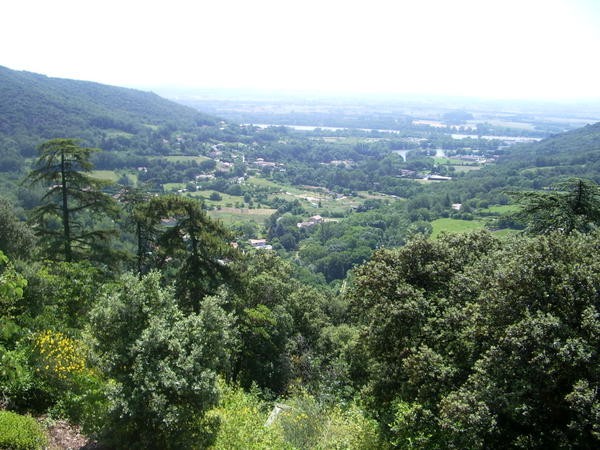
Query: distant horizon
x=581, y=107
x=173, y=90
x=357, y=95
x=509, y=49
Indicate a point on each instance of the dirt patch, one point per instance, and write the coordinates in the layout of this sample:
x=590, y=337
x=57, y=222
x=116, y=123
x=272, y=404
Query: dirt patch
x=64, y=436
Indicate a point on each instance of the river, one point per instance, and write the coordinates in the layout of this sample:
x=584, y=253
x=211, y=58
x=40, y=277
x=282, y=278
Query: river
x=439, y=153
x=508, y=139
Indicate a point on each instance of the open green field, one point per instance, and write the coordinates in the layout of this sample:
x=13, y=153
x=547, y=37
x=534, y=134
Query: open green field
x=315, y=200
x=263, y=183
x=232, y=215
x=113, y=176
x=442, y=160
x=506, y=232
x=170, y=187
x=310, y=196
x=500, y=209
x=454, y=226
x=376, y=195
x=182, y=158
x=226, y=199
x=109, y=175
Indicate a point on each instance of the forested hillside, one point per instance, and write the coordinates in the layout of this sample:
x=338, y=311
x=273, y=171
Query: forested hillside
x=576, y=151
x=34, y=107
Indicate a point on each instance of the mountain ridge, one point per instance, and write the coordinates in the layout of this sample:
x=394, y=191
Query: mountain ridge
x=35, y=107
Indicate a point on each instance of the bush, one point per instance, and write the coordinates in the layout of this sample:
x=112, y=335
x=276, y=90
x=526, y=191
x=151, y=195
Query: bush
x=20, y=432
x=242, y=418
x=309, y=424
x=17, y=380
x=163, y=364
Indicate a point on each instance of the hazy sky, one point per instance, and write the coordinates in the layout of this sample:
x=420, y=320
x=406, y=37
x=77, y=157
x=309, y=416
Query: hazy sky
x=493, y=48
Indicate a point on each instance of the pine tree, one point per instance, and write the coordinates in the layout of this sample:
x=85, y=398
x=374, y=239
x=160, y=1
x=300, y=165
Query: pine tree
x=72, y=196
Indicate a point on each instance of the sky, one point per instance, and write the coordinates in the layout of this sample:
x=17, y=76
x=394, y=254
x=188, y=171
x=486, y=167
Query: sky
x=518, y=49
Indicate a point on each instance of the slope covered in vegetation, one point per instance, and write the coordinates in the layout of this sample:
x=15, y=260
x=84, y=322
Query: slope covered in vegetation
x=35, y=107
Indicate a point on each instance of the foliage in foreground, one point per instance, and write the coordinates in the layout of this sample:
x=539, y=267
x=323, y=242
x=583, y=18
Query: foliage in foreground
x=19, y=432
x=163, y=364
x=477, y=343
x=302, y=423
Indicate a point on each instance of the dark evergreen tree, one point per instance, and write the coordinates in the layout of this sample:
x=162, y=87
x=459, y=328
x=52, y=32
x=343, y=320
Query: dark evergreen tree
x=184, y=238
x=62, y=220
x=567, y=206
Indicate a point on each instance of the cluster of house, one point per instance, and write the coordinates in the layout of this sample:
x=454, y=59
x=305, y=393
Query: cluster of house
x=260, y=162
x=261, y=244
x=311, y=222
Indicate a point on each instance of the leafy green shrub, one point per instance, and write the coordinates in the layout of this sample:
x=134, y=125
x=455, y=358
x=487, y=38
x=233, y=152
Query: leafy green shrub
x=164, y=364
x=302, y=424
x=349, y=429
x=20, y=432
x=84, y=403
x=242, y=423
x=17, y=379
x=308, y=424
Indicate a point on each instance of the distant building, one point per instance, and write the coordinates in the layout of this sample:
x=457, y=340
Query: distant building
x=260, y=162
x=438, y=178
x=260, y=244
x=311, y=222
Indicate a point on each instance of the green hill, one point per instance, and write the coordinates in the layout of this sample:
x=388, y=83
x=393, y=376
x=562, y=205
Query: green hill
x=573, y=148
x=34, y=108
x=530, y=166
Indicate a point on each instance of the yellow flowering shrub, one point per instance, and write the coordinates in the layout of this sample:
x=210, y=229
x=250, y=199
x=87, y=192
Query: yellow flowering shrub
x=58, y=356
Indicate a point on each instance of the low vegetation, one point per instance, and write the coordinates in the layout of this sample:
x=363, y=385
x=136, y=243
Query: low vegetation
x=19, y=432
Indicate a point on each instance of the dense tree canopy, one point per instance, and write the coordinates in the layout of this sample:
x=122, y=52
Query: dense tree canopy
x=476, y=343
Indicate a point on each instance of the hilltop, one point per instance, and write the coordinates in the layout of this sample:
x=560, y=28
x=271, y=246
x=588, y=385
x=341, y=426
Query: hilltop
x=34, y=107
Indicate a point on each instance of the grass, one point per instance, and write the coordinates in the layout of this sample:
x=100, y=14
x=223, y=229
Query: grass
x=315, y=195
x=169, y=187
x=225, y=198
x=443, y=160
x=500, y=209
x=185, y=158
x=506, y=232
x=315, y=200
x=232, y=215
x=118, y=133
x=263, y=182
x=454, y=226
x=109, y=175
x=181, y=158
x=375, y=195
